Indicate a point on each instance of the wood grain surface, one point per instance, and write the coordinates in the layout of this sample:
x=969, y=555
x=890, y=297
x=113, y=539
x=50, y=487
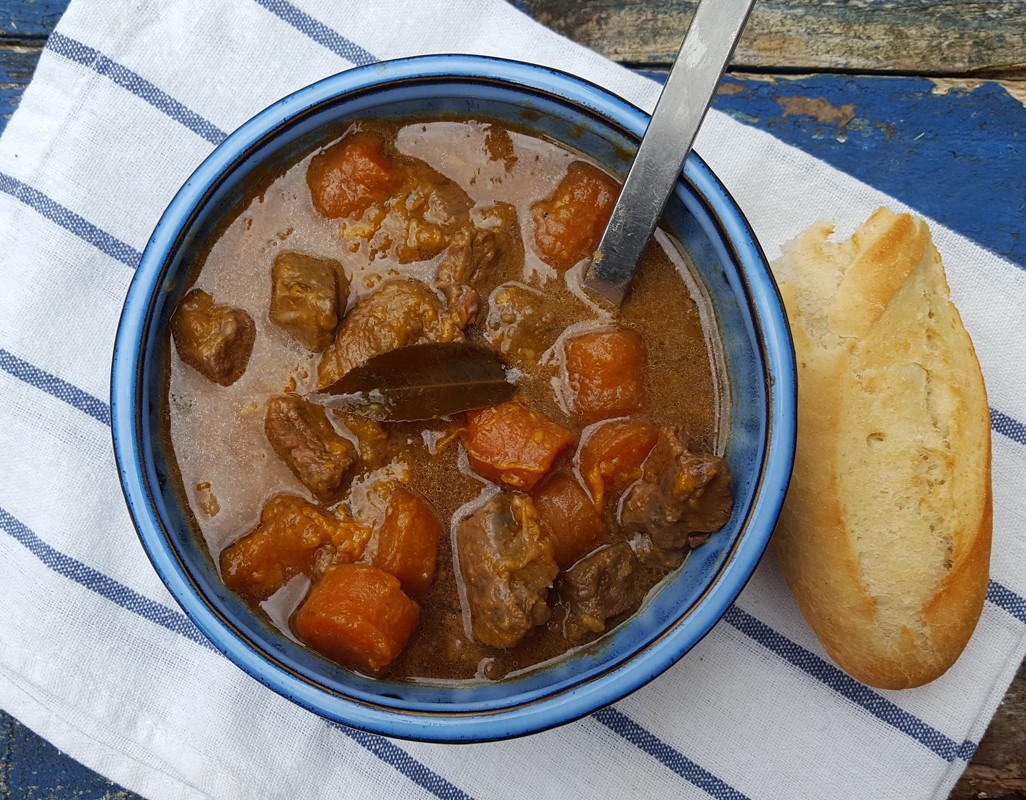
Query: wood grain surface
x=910, y=37
x=933, y=114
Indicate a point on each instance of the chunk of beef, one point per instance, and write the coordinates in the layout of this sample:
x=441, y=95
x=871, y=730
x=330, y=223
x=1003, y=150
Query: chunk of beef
x=522, y=322
x=464, y=304
x=304, y=439
x=308, y=298
x=569, y=225
x=417, y=222
x=472, y=252
x=599, y=587
x=681, y=497
x=507, y=568
x=492, y=244
x=286, y=543
x=215, y=340
x=401, y=312
x=352, y=175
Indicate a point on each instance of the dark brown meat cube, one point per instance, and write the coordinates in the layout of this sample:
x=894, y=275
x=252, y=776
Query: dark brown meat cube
x=308, y=297
x=464, y=304
x=681, y=497
x=522, y=322
x=599, y=587
x=401, y=312
x=302, y=436
x=478, y=250
x=288, y=541
x=472, y=251
x=507, y=568
x=568, y=225
x=215, y=340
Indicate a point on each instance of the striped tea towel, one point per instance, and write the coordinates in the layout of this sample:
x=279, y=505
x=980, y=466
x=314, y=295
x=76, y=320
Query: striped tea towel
x=129, y=97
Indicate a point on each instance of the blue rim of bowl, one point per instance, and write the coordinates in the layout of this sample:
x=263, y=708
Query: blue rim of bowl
x=515, y=717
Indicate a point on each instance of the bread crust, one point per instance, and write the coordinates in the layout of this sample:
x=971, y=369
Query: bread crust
x=884, y=538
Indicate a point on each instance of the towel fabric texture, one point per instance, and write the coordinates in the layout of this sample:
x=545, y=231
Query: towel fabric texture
x=128, y=98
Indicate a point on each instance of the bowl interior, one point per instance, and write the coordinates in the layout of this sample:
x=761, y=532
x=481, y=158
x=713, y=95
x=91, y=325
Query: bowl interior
x=685, y=605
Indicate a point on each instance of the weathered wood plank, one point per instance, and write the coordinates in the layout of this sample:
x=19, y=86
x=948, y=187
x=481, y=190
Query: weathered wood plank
x=908, y=137
x=16, y=66
x=998, y=769
x=936, y=37
x=28, y=19
x=34, y=768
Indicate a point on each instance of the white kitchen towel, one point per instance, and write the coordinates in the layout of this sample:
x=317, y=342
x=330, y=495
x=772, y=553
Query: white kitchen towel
x=128, y=98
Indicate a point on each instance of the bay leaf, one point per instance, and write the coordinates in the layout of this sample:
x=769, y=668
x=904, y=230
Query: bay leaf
x=422, y=381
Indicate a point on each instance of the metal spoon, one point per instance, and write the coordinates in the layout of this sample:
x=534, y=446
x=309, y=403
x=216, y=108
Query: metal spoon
x=704, y=54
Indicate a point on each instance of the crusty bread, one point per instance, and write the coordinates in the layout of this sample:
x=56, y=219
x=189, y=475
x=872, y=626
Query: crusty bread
x=885, y=534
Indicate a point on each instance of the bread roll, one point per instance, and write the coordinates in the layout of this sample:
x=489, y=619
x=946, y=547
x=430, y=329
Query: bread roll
x=885, y=534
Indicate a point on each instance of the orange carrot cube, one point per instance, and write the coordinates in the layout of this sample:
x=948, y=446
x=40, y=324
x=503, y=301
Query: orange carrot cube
x=606, y=372
x=611, y=458
x=407, y=541
x=511, y=444
x=358, y=616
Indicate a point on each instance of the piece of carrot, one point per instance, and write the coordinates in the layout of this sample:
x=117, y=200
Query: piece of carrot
x=407, y=541
x=612, y=456
x=512, y=444
x=606, y=373
x=568, y=519
x=352, y=175
x=285, y=544
x=357, y=615
x=569, y=225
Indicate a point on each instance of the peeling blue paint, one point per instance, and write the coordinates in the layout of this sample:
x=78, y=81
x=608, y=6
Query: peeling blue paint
x=958, y=157
x=33, y=769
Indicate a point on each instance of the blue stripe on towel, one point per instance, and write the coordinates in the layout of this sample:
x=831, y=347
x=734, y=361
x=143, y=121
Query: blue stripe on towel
x=318, y=31
x=1007, y=600
x=70, y=221
x=53, y=385
x=860, y=694
x=622, y=725
x=404, y=763
x=177, y=622
x=127, y=79
x=1011, y=428
x=102, y=585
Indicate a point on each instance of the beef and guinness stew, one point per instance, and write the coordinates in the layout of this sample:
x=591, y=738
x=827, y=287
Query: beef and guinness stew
x=462, y=545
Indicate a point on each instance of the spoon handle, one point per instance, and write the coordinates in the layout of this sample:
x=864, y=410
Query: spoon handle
x=704, y=54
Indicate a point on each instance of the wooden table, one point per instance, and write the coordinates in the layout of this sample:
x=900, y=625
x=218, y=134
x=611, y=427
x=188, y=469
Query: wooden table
x=925, y=100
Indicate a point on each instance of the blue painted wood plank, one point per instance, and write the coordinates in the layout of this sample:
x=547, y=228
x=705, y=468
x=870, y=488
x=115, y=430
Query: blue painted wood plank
x=16, y=67
x=959, y=156
x=26, y=19
x=33, y=769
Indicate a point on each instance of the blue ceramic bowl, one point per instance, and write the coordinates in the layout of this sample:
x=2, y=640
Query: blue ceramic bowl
x=759, y=360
